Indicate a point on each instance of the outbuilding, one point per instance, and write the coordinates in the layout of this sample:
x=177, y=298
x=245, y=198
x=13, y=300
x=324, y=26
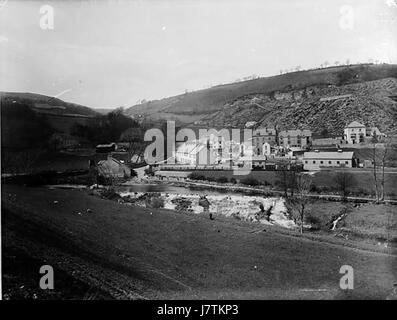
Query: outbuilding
x=318, y=160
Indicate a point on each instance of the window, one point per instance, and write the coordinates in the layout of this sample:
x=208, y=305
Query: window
x=346, y=162
x=337, y=162
x=329, y=162
x=321, y=162
x=306, y=161
x=314, y=161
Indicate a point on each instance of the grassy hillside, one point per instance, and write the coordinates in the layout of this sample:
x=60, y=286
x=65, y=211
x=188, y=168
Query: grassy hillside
x=46, y=104
x=29, y=119
x=220, y=101
x=158, y=254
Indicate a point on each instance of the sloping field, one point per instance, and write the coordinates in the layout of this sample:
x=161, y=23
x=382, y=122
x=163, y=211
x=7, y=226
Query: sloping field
x=127, y=252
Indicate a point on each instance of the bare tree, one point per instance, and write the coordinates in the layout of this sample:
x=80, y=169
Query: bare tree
x=344, y=181
x=286, y=178
x=297, y=205
x=381, y=155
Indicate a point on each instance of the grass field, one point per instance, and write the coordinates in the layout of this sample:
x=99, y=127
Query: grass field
x=363, y=179
x=120, y=251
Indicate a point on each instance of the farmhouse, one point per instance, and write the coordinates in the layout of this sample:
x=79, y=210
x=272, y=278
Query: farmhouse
x=113, y=168
x=319, y=160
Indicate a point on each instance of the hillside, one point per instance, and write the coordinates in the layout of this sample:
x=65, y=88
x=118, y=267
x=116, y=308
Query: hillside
x=29, y=119
x=161, y=254
x=46, y=104
x=286, y=95
x=318, y=108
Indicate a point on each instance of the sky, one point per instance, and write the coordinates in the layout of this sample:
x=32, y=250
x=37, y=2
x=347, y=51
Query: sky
x=107, y=54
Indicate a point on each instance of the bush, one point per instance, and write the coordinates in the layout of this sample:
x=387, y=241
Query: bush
x=313, y=188
x=314, y=221
x=222, y=180
x=149, y=171
x=250, y=181
x=196, y=176
x=266, y=183
x=233, y=180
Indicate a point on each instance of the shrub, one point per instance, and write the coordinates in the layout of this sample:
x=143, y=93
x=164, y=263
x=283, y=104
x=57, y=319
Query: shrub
x=233, y=180
x=133, y=173
x=250, y=181
x=313, y=188
x=149, y=171
x=196, y=176
x=222, y=179
x=266, y=183
x=314, y=221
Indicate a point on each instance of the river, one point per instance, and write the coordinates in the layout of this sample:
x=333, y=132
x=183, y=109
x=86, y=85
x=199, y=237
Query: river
x=230, y=204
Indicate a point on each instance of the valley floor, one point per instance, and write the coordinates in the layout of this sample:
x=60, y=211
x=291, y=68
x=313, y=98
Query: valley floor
x=101, y=249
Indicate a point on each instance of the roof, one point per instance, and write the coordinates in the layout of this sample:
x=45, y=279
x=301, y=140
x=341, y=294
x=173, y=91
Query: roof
x=355, y=124
x=329, y=155
x=264, y=132
x=193, y=147
x=107, y=160
x=113, y=144
x=298, y=132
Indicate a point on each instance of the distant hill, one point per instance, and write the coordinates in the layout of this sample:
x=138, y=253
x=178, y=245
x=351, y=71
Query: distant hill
x=28, y=119
x=289, y=100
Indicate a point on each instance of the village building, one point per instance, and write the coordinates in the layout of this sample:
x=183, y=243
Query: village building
x=318, y=160
x=260, y=136
x=300, y=139
x=195, y=153
x=356, y=133
x=113, y=168
x=269, y=148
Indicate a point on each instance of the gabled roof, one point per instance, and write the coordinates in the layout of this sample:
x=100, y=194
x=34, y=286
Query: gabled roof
x=355, y=124
x=297, y=132
x=193, y=147
x=264, y=132
x=329, y=155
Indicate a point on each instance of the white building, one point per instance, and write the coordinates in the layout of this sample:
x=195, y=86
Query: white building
x=195, y=153
x=355, y=133
x=320, y=160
